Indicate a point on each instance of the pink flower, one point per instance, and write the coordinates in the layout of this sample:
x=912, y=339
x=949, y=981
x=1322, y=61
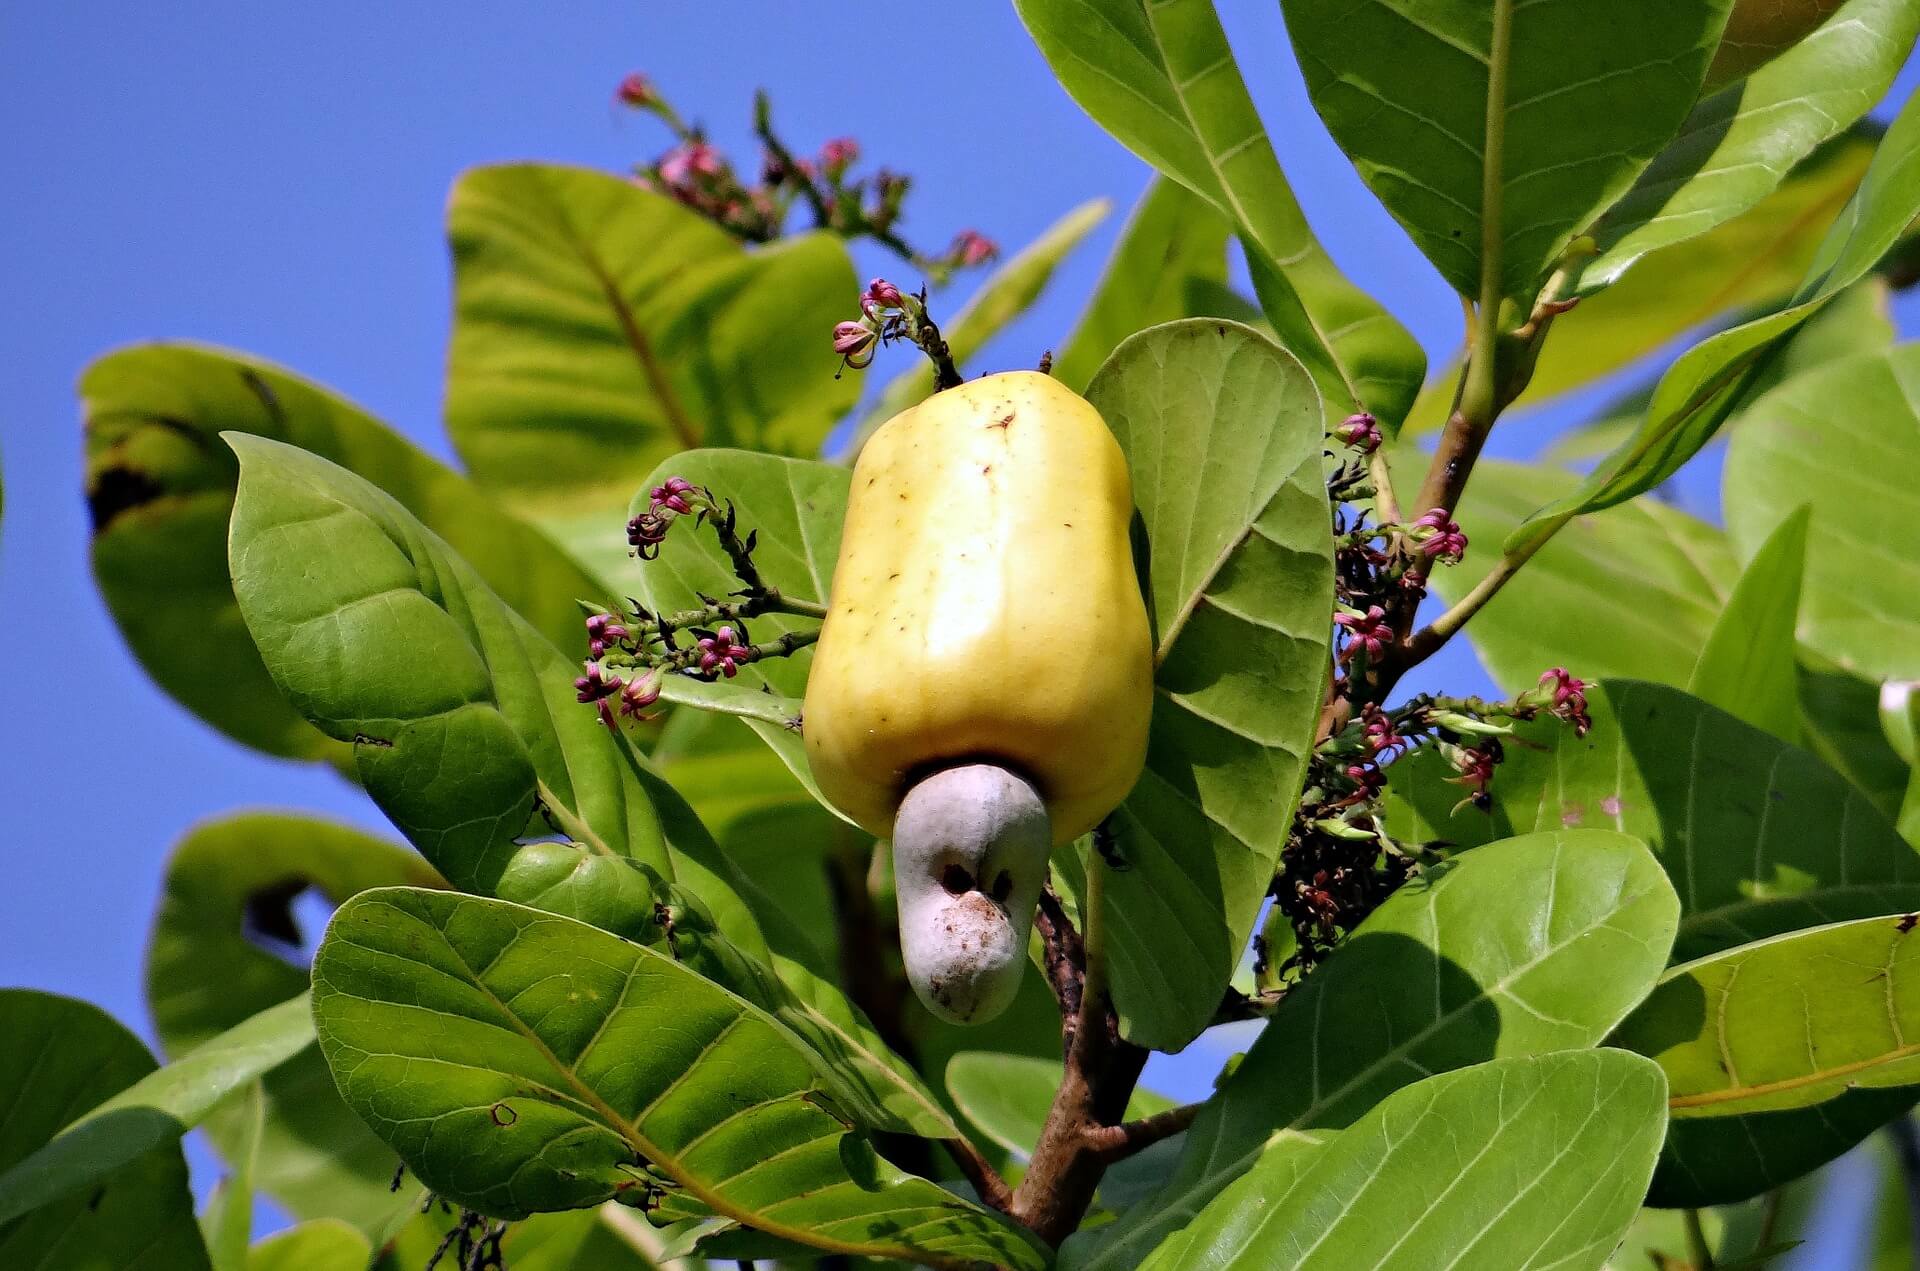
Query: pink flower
x=636, y=91
x=1442, y=538
x=1366, y=633
x=1475, y=768
x=880, y=294
x=838, y=155
x=603, y=633
x=640, y=694
x=721, y=653
x=672, y=497
x=854, y=341
x=971, y=247
x=1360, y=431
x=1380, y=731
x=1569, y=699
x=688, y=160
x=595, y=684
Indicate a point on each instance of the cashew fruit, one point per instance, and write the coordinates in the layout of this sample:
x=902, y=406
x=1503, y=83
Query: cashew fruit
x=985, y=613
x=1760, y=30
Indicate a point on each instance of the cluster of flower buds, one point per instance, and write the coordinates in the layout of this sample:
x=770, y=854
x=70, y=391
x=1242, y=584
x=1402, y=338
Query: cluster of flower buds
x=602, y=689
x=1368, y=633
x=647, y=531
x=698, y=175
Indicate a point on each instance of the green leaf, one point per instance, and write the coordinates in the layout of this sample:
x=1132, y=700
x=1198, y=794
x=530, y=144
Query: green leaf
x=544, y=1058
x=462, y=716
x=160, y=488
x=1161, y=78
x=600, y=327
x=1170, y=263
x=1222, y=431
x=59, y=1058
x=1756, y=259
x=1840, y=713
x=1758, y=836
x=154, y=1110
x=226, y=902
x=1537, y=944
x=324, y=1244
x=610, y=1238
x=1859, y=320
x=1418, y=96
x=1781, y=1055
x=1536, y=1162
x=1008, y=293
x=1721, y=1160
x=1711, y=380
x=1008, y=1096
x=1747, y=667
x=1740, y=143
x=1631, y=592
x=1846, y=439
x=1786, y=1023
x=226, y=1221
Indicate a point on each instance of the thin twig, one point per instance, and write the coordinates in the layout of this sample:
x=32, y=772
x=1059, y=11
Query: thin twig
x=977, y=1170
x=1117, y=1142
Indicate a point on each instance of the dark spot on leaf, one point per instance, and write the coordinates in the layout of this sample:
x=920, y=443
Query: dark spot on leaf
x=117, y=490
x=1002, y=886
x=1907, y=923
x=956, y=880
x=93, y=1201
x=502, y=1114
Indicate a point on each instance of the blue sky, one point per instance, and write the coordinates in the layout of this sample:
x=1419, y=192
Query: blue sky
x=272, y=178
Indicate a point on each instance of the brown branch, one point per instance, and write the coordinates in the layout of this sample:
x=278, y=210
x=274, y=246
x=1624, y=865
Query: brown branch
x=1118, y=1142
x=1064, y=959
x=1101, y=1070
x=979, y=1171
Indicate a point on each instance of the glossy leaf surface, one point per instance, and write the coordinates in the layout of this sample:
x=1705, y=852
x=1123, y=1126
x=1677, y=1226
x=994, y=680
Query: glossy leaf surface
x=1222, y=432
x=1537, y=944
x=548, y=1057
x=1758, y=836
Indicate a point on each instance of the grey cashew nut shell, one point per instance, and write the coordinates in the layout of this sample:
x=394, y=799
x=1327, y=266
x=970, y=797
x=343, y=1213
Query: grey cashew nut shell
x=970, y=848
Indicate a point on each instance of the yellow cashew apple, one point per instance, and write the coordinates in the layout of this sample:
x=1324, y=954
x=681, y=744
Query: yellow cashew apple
x=985, y=614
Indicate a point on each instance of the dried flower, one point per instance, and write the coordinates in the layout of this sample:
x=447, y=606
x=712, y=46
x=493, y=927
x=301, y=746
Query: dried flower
x=646, y=532
x=1360, y=431
x=1440, y=536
